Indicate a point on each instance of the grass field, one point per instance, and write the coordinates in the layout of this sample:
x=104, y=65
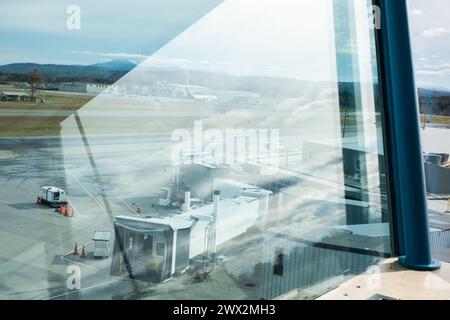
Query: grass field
x=436, y=120
x=38, y=126
x=28, y=125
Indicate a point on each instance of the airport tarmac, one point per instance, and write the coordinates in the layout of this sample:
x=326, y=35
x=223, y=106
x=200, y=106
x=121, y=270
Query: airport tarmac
x=36, y=243
x=34, y=239
x=107, y=177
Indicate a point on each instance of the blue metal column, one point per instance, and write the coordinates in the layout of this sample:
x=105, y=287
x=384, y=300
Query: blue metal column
x=404, y=146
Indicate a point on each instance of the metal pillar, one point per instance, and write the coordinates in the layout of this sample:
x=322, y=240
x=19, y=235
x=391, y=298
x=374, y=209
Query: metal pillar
x=404, y=146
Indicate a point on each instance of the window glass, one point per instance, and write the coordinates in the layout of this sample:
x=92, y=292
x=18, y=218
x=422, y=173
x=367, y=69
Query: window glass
x=160, y=249
x=430, y=38
x=249, y=146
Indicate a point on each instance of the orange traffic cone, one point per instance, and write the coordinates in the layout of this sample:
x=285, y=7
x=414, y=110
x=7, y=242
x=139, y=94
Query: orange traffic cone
x=75, y=250
x=66, y=212
x=83, y=253
x=60, y=210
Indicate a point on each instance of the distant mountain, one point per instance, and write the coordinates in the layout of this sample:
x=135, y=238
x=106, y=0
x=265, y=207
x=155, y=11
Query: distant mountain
x=435, y=101
x=53, y=70
x=436, y=89
x=116, y=65
x=104, y=72
x=432, y=92
x=432, y=100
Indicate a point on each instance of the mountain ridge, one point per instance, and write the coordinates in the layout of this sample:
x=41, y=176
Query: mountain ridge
x=109, y=71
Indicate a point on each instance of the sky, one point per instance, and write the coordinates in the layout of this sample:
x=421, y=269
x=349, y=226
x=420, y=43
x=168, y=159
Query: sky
x=36, y=31
x=430, y=29
x=226, y=41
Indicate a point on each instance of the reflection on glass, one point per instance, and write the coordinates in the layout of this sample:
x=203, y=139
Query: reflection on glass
x=244, y=159
x=434, y=102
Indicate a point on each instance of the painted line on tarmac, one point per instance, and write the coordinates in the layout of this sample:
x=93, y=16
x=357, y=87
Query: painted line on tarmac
x=128, y=206
x=73, y=208
x=23, y=181
x=97, y=202
x=80, y=263
x=78, y=291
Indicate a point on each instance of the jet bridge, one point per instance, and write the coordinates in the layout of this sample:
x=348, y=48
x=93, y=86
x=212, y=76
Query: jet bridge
x=155, y=249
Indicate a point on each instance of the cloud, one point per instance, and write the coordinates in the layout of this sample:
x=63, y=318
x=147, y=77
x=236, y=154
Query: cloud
x=114, y=55
x=416, y=12
x=434, y=70
x=424, y=72
x=435, y=32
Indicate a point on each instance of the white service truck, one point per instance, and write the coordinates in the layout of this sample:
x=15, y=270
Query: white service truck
x=52, y=196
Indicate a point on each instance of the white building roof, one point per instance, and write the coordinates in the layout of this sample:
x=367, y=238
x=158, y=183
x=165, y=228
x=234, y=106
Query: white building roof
x=52, y=189
x=225, y=204
x=175, y=224
x=184, y=220
x=14, y=93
